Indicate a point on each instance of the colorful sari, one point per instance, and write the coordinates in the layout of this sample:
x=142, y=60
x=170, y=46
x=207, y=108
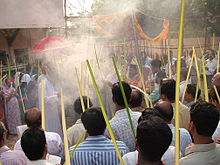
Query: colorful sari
x=12, y=111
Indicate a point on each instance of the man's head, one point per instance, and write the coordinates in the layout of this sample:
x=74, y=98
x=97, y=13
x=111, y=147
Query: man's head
x=191, y=93
x=204, y=119
x=33, y=143
x=32, y=117
x=167, y=90
x=117, y=94
x=166, y=110
x=136, y=98
x=153, y=139
x=155, y=65
x=93, y=121
x=77, y=104
x=148, y=112
x=3, y=132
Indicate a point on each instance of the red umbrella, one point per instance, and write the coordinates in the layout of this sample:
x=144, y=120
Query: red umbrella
x=52, y=44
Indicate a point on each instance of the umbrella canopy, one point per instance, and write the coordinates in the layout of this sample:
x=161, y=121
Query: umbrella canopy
x=56, y=48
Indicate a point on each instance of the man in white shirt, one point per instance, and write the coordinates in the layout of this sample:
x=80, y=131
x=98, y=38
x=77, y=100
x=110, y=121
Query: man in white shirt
x=33, y=143
x=75, y=132
x=54, y=141
x=204, y=120
x=166, y=111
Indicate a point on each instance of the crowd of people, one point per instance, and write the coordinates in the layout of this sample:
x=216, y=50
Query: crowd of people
x=154, y=126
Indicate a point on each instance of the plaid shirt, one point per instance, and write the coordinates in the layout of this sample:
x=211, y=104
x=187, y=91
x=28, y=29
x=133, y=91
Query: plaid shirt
x=122, y=129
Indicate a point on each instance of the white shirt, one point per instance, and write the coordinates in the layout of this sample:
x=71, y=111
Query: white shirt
x=26, y=78
x=211, y=65
x=168, y=158
x=54, y=142
x=39, y=162
x=185, y=138
x=75, y=132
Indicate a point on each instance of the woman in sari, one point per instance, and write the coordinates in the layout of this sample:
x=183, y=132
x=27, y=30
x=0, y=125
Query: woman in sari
x=12, y=112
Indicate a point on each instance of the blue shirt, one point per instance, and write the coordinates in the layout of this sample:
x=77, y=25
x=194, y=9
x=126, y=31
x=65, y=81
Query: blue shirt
x=97, y=150
x=122, y=129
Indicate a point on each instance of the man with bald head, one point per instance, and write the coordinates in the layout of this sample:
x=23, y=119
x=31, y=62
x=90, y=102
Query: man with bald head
x=136, y=101
x=54, y=141
x=166, y=111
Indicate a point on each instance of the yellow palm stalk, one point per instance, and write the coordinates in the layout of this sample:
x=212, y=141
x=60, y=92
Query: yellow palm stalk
x=218, y=57
x=180, y=46
x=65, y=141
x=80, y=94
x=187, y=78
x=124, y=98
x=104, y=114
x=142, y=81
x=42, y=106
x=216, y=92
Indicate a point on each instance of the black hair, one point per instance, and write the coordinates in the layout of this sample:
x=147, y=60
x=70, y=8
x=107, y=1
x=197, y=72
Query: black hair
x=77, y=104
x=191, y=89
x=136, y=98
x=147, y=113
x=205, y=117
x=30, y=121
x=167, y=88
x=153, y=138
x=156, y=63
x=93, y=121
x=117, y=94
x=33, y=143
x=165, y=109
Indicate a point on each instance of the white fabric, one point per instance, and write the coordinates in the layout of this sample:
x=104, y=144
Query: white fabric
x=26, y=78
x=39, y=162
x=54, y=142
x=52, y=120
x=211, y=66
x=185, y=138
x=182, y=86
x=168, y=158
x=216, y=133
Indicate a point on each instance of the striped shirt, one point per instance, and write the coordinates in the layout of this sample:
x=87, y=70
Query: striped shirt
x=97, y=150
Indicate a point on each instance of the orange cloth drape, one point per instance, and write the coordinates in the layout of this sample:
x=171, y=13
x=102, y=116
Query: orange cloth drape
x=109, y=19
